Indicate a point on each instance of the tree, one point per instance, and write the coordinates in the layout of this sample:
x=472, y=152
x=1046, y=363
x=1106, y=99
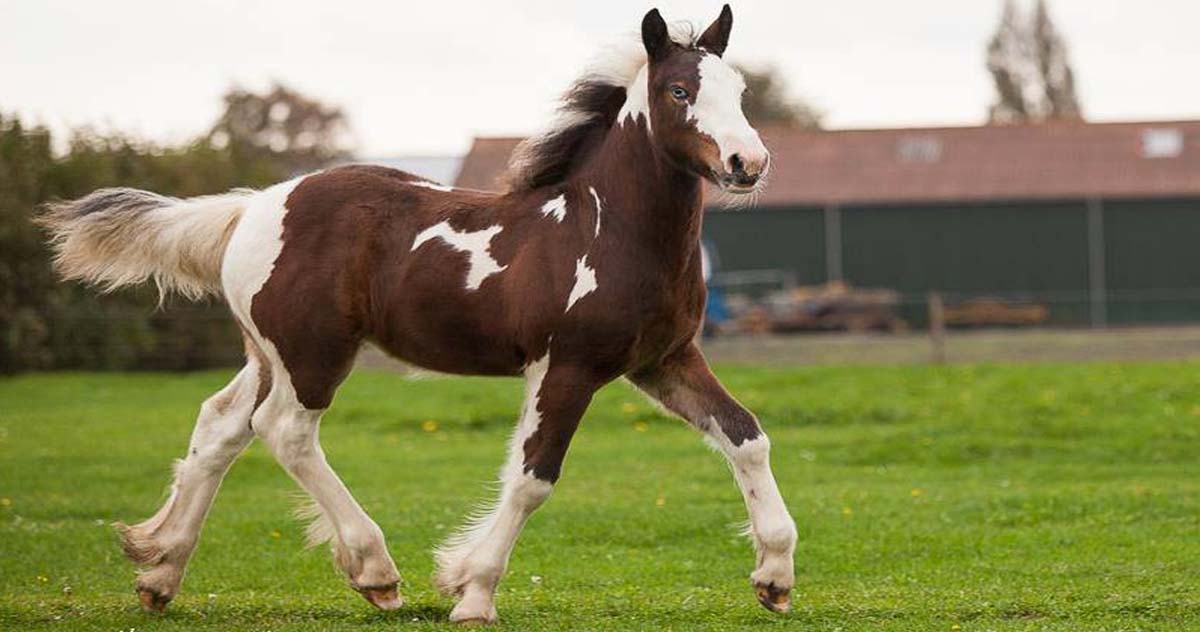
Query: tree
x=1054, y=67
x=1006, y=61
x=1030, y=68
x=767, y=101
x=283, y=127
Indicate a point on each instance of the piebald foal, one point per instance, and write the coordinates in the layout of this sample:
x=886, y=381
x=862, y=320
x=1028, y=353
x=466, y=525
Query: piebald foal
x=585, y=270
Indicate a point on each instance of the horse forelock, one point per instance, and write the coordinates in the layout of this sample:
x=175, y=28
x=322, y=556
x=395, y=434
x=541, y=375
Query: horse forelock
x=586, y=111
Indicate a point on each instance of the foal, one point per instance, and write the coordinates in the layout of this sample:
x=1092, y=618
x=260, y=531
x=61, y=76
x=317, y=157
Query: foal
x=585, y=270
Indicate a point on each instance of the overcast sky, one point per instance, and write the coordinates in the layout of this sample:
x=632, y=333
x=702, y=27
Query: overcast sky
x=424, y=77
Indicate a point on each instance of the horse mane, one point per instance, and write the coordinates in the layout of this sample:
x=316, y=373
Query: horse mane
x=585, y=113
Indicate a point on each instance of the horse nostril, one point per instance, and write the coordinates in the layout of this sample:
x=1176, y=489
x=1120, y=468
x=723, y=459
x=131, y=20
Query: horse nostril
x=736, y=165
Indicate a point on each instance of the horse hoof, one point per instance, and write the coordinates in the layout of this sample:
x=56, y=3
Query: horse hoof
x=384, y=598
x=152, y=601
x=465, y=614
x=474, y=623
x=774, y=599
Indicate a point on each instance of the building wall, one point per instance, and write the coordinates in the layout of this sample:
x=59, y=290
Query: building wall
x=788, y=239
x=1152, y=260
x=1147, y=255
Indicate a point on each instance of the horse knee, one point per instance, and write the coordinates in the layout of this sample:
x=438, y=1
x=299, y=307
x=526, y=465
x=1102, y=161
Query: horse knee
x=530, y=492
x=753, y=453
x=219, y=436
x=291, y=438
x=739, y=426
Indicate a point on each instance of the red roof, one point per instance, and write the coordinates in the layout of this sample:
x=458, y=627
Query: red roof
x=1046, y=161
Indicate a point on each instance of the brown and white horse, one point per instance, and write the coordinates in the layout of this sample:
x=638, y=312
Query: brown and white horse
x=585, y=270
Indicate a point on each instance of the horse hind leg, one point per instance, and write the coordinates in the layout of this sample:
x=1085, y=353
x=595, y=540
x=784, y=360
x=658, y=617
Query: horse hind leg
x=289, y=430
x=162, y=544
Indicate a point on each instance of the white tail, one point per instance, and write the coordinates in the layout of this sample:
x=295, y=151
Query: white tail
x=118, y=237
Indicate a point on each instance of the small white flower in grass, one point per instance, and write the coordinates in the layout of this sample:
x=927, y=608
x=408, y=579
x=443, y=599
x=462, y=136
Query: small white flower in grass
x=536, y=579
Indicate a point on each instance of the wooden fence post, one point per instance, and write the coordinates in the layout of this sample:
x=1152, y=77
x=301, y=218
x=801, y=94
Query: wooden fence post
x=937, y=327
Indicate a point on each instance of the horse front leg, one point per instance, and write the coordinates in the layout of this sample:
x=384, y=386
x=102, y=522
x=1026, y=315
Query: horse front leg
x=686, y=386
x=471, y=562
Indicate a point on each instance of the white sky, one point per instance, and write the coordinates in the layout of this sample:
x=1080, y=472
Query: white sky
x=424, y=77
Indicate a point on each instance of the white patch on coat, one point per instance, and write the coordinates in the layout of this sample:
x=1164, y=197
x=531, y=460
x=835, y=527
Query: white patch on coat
x=585, y=282
x=531, y=417
x=717, y=112
x=430, y=185
x=556, y=208
x=477, y=244
x=254, y=246
x=599, y=208
x=250, y=259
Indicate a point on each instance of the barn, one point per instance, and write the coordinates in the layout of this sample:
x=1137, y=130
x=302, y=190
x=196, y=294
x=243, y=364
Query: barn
x=1097, y=221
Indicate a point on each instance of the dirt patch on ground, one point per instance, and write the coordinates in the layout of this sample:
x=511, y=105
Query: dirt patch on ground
x=1026, y=345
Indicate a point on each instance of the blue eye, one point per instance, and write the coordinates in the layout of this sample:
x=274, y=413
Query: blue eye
x=679, y=93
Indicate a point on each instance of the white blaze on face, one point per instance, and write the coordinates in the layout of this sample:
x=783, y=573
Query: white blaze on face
x=476, y=244
x=717, y=112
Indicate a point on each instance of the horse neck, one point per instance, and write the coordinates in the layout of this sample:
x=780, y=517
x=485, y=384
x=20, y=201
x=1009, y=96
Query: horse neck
x=657, y=205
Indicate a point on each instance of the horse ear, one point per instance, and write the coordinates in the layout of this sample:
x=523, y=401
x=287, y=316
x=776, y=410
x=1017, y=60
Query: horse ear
x=654, y=35
x=716, y=36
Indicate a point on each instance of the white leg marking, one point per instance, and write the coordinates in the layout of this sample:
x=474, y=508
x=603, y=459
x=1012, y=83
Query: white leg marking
x=290, y=432
x=585, y=282
x=556, y=208
x=164, y=543
x=471, y=562
x=771, y=528
x=476, y=244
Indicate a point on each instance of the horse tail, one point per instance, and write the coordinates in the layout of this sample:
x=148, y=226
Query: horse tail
x=118, y=237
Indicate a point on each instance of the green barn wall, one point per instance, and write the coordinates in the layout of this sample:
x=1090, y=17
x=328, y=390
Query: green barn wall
x=791, y=239
x=1030, y=250
x=1152, y=260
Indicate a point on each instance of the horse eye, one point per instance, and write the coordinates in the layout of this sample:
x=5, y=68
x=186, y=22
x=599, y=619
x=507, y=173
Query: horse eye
x=679, y=93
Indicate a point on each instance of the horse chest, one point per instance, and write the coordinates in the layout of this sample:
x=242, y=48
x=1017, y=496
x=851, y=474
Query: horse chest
x=630, y=325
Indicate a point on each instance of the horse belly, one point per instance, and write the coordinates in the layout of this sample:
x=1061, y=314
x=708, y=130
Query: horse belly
x=434, y=322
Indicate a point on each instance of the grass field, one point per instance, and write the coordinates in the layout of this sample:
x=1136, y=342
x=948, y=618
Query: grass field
x=1048, y=497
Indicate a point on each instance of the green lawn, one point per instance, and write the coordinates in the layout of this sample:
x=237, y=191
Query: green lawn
x=1061, y=497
